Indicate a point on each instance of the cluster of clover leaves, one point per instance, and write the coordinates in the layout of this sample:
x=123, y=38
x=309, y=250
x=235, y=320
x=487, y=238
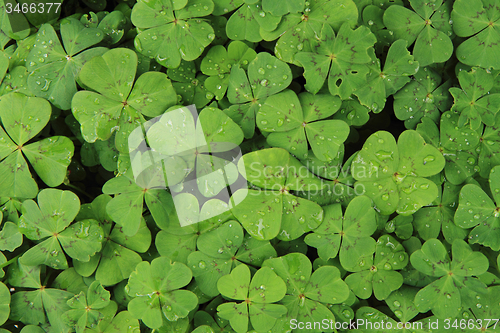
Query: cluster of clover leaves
x=370, y=140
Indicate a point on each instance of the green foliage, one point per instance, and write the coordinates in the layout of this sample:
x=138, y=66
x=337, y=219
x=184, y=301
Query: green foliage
x=289, y=124
x=347, y=235
x=155, y=291
x=392, y=174
x=477, y=209
x=258, y=296
x=476, y=19
x=49, y=221
x=456, y=286
x=171, y=30
x=264, y=77
x=85, y=308
x=423, y=97
x=117, y=104
x=474, y=102
x=307, y=294
x=428, y=25
x=249, y=166
x=53, y=70
x=49, y=157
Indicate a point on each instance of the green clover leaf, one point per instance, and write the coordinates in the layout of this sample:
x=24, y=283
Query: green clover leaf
x=218, y=62
x=283, y=8
x=49, y=222
x=4, y=303
x=340, y=187
x=126, y=208
x=412, y=276
x=428, y=26
x=177, y=242
x=10, y=207
x=401, y=304
x=477, y=20
x=474, y=101
x=392, y=174
x=401, y=225
x=476, y=209
x=422, y=97
x=342, y=59
x=114, y=26
x=117, y=104
x=439, y=216
x=222, y=249
x=222, y=7
x=456, y=285
x=49, y=157
x=488, y=148
x=375, y=317
x=119, y=256
x=100, y=152
x=16, y=81
x=85, y=307
x=111, y=323
x=4, y=64
x=196, y=148
x=372, y=17
x=289, y=119
x=215, y=323
x=308, y=295
x=69, y=280
x=40, y=17
x=265, y=76
x=379, y=274
x=486, y=307
x=257, y=295
x=10, y=237
x=247, y=21
x=381, y=83
x=353, y=113
x=299, y=31
x=53, y=69
x=348, y=235
x=189, y=85
x=455, y=143
x=279, y=214
x=155, y=290
x=19, y=29
x=172, y=30
x=33, y=307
